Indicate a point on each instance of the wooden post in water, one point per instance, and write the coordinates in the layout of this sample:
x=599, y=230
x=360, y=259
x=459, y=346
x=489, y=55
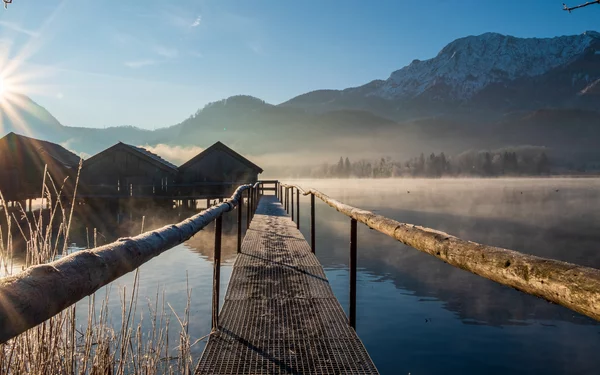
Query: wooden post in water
x=239, y=224
x=216, y=273
x=312, y=222
x=298, y=208
x=352, y=265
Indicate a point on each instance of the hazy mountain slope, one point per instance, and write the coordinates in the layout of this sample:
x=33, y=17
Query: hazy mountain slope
x=20, y=114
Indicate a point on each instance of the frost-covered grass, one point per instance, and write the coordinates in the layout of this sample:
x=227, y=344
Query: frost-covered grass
x=138, y=344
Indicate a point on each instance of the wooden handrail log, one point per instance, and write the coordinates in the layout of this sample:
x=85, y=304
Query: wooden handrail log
x=40, y=292
x=570, y=285
x=295, y=187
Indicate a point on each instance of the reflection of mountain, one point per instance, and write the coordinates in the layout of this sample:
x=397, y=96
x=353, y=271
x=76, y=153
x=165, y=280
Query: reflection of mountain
x=571, y=236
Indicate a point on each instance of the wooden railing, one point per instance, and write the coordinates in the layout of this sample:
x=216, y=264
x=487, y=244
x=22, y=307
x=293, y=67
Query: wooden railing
x=573, y=286
x=40, y=292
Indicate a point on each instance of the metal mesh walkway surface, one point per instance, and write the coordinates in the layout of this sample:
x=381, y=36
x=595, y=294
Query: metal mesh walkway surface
x=280, y=315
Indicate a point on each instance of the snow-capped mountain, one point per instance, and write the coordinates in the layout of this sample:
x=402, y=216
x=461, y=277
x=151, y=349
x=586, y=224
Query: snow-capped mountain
x=467, y=65
x=491, y=71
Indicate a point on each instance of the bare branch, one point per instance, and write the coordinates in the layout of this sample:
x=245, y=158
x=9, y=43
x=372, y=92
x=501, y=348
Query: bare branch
x=569, y=9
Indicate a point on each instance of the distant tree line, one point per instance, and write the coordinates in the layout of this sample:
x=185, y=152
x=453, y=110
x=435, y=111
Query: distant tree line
x=515, y=162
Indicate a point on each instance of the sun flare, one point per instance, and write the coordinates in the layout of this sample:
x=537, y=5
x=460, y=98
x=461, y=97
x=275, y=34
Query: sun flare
x=17, y=80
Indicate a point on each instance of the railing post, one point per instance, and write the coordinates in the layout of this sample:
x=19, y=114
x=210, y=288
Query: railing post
x=239, y=223
x=216, y=273
x=298, y=208
x=248, y=208
x=256, y=198
x=281, y=194
x=352, y=265
x=312, y=222
x=292, y=203
x=287, y=198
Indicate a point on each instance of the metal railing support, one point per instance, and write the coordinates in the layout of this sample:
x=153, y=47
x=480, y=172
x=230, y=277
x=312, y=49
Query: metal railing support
x=298, y=208
x=248, y=200
x=352, y=266
x=216, y=273
x=239, y=224
x=292, y=204
x=312, y=222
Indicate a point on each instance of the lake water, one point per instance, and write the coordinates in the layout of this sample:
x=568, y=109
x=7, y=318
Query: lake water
x=416, y=314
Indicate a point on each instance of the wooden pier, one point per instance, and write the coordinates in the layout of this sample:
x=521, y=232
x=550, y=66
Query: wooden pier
x=280, y=315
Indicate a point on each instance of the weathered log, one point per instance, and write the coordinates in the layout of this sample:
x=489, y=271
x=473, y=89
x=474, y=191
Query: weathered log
x=42, y=291
x=570, y=285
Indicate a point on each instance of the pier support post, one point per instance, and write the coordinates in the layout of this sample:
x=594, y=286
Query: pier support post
x=352, y=265
x=292, y=204
x=312, y=222
x=239, y=224
x=298, y=208
x=216, y=273
x=248, y=210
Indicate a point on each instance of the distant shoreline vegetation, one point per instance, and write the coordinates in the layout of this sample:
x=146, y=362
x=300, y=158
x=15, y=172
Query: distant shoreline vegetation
x=525, y=161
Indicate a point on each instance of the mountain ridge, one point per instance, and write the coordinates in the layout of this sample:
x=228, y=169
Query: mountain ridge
x=436, y=117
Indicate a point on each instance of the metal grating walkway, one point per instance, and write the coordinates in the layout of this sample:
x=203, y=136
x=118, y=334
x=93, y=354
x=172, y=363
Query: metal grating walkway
x=280, y=315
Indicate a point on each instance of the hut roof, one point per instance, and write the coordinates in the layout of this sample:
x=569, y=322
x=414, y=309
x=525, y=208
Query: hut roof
x=153, y=156
x=221, y=147
x=140, y=151
x=53, y=150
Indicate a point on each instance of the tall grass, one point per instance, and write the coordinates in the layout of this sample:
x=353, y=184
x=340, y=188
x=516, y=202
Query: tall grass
x=64, y=345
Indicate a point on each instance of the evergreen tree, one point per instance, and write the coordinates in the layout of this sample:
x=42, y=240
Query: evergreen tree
x=543, y=164
x=487, y=164
x=340, y=168
x=347, y=168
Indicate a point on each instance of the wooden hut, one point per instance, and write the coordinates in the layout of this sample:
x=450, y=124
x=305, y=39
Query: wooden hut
x=126, y=171
x=22, y=162
x=215, y=172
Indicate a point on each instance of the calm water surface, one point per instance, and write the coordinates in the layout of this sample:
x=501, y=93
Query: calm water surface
x=417, y=314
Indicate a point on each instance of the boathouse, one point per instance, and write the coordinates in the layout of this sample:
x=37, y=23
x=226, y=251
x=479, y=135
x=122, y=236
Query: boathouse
x=214, y=172
x=127, y=171
x=22, y=163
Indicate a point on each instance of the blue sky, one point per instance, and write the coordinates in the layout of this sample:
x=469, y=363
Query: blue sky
x=153, y=63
